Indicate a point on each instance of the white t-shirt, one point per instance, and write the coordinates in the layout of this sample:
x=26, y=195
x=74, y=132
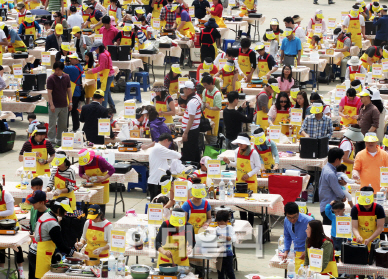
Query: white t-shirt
x=300, y=33
x=373, y=154
x=2, y=35
x=75, y=20
x=9, y=201
x=347, y=19
x=107, y=229
x=346, y=146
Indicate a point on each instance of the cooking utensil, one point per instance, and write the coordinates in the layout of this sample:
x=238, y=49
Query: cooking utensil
x=72, y=260
x=9, y=224
x=130, y=143
x=168, y=268
x=173, y=264
x=59, y=268
x=140, y=271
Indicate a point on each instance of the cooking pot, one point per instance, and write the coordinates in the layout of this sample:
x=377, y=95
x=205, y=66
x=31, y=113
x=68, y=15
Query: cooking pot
x=9, y=224
x=92, y=262
x=384, y=245
x=168, y=268
x=241, y=187
x=130, y=143
x=140, y=271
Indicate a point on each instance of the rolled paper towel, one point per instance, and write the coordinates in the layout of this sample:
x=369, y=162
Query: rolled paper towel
x=292, y=173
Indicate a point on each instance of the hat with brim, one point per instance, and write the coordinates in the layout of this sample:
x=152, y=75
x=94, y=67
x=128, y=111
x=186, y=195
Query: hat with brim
x=241, y=140
x=20, y=6
x=158, y=86
x=371, y=137
x=364, y=93
x=177, y=219
x=93, y=211
x=354, y=134
x=385, y=140
x=366, y=198
x=75, y=30
x=58, y=160
x=287, y=32
x=139, y=10
x=316, y=108
x=174, y=7
x=211, y=23
x=298, y=19
x=74, y=56
x=99, y=92
x=198, y=191
x=204, y=160
x=259, y=138
x=65, y=46
x=229, y=66
x=85, y=156
x=354, y=61
x=127, y=28
x=176, y=68
x=274, y=21
x=59, y=29
x=275, y=87
x=260, y=47
x=65, y=204
x=376, y=93
x=37, y=196
x=96, y=45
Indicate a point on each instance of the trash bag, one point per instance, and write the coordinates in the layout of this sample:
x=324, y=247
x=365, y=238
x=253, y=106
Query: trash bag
x=213, y=152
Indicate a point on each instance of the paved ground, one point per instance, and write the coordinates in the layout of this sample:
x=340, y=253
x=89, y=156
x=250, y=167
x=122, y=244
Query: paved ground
x=247, y=262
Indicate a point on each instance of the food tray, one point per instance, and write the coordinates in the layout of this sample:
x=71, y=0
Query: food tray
x=78, y=272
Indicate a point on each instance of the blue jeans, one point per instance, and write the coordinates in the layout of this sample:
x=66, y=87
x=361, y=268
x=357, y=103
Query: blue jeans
x=107, y=96
x=337, y=242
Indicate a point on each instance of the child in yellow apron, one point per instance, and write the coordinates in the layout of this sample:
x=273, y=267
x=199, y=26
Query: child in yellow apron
x=219, y=20
x=158, y=5
x=350, y=110
x=367, y=221
x=162, y=106
x=95, y=238
x=248, y=5
x=352, y=73
x=201, y=174
x=262, y=63
x=3, y=207
x=355, y=27
x=228, y=77
x=351, y=157
x=176, y=242
x=198, y=217
x=331, y=268
x=213, y=115
x=266, y=155
x=375, y=58
x=244, y=62
x=243, y=166
x=21, y=17
x=126, y=36
x=176, y=70
x=340, y=45
x=41, y=153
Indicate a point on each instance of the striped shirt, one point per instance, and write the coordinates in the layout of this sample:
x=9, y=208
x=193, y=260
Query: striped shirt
x=68, y=174
x=193, y=108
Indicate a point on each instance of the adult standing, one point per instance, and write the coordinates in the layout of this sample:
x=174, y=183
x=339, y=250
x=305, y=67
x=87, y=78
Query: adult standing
x=298, y=31
x=352, y=134
x=183, y=22
x=208, y=39
x=105, y=69
x=59, y=19
x=212, y=105
x=82, y=42
x=382, y=26
x=21, y=7
x=355, y=24
x=216, y=13
x=264, y=102
x=108, y=31
x=55, y=40
x=247, y=59
x=368, y=115
x=200, y=8
x=317, y=124
x=349, y=107
x=377, y=102
x=60, y=102
x=164, y=104
x=75, y=19
x=369, y=161
x=329, y=185
x=295, y=225
x=291, y=48
x=342, y=44
x=167, y=16
x=94, y=19
x=265, y=62
x=54, y=6
x=190, y=124
x=317, y=19
x=159, y=154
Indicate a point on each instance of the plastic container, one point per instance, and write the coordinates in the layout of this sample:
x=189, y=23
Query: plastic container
x=111, y=266
x=281, y=244
x=310, y=193
x=302, y=274
x=7, y=140
x=291, y=270
x=222, y=190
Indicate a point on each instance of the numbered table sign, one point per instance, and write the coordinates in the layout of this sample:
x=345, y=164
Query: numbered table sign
x=296, y=116
x=315, y=257
x=103, y=127
x=29, y=161
x=17, y=70
x=67, y=141
x=222, y=63
x=383, y=177
x=377, y=71
x=181, y=190
x=117, y=243
x=232, y=3
x=214, y=168
x=130, y=109
x=343, y=16
x=360, y=77
x=330, y=51
x=331, y=23
x=318, y=28
x=155, y=214
x=46, y=58
x=181, y=81
x=191, y=11
x=344, y=226
x=274, y=133
x=156, y=24
x=385, y=65
x=340, y=92
x=267, y=45
x=98, y=38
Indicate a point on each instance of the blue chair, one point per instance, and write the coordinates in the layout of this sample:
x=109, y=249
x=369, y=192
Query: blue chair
x=145, y=79
x=226, y=43
x=142, y=171
x=128, y=94
x=18, y=114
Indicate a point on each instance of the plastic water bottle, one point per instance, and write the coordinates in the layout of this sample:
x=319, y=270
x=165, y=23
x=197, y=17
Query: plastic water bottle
x=44, y=69
x=310, y=193
x=111, y=266
x=291, y=270
x=31, y=42
x=253, y=128
x=291, y=254
x=281, y=244
x=230, y=189
x=121, y=265
x=222, y=190
x=3, y=15
x=302, y=274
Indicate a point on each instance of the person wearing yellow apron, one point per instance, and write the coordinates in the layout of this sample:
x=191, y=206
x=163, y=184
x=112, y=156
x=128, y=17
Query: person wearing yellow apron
x=85, y=15
x=171, y=79
x=267, y=150
x=264, y=102
x=183, y=22
x=371, y=56
x=316, y=236
x=96, y=234
x=274, y=26
x=202, y=172
x=62, y=181
x=355, y=67
x=126, y=37
x=175, y=239
x=22, y=12
x=163, y=102
x=48, y=236
x=280, y=112
x=29, y=26
x=229, y=76
x=216, y=13
x=89, y=89
x=97, y=170
x=351, y=135
x=246, y=59
x=94, y=20
x=212, y=104
x=34, y=4
x=198, y=209
x=348, y=107
x=208, y=40
x=266, y=63
x=355, y=24
x=318, y=19
x=342, y=44
x=15, y=43
x=247, y=5
x=157, y=8
x=247, y=163
x=45, y=152
x=114, y=9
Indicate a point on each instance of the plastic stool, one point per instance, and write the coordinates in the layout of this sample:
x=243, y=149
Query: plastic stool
x=146, y=79
x=19, y=114
x=226, y=43
x=128, y=94
x=142, y=171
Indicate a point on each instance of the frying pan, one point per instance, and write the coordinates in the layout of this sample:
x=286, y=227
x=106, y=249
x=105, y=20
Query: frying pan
x=168, y=268
x=130, y=143
x=9, y=224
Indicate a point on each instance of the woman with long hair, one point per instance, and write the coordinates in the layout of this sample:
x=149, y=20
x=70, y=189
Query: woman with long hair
x=302, y=102
x=171, y=79
x=156, y=123
x=286, y=81
x=59, y=18
x=90, y=64
x=316, y=98
x=114, y=9
x=316, y=239
x=280, y=111
x=377, y=101
x=216, y=13
x=163, y=102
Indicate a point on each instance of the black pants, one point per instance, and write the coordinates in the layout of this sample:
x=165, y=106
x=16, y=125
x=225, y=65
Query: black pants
x=377, y=42
x=154, y=190
x=250, y=218
x=190, y=150
x=227, y=268
x=31, y=265
x=75, y=114
x=326, y=220
x=207, y=51
x=359, y=146
x=19, y=256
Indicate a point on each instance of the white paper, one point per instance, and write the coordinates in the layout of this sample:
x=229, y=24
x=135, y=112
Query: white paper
x=214, y=169
x=155, y=214
x=68, y=141
x=29, y=163
x=180, y=191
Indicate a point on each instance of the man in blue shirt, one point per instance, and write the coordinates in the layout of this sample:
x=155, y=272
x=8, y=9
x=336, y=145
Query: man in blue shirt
x=295, y=225
x=29, y=26
x=329, y=186
x=382, y=26
x=291, y=48
x=75, y=72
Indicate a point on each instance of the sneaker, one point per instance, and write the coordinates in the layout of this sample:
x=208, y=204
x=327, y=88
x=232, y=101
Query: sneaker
x=316, y=3
x=331, y=2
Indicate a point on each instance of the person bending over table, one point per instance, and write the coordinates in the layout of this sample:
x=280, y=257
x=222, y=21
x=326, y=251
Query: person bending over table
x=208, y=40
x=49, y=237
x=96, y=166
x=15, y=43
x=62, y=181
x=63, y=54
x=317, y=124
x=163, y=101
x=280, y=111
x=342, y=44
x=175, y=239
x=247, y=163
x=368, y=217
x=171, y=79
x=373, y=55
x=183, y=22
x=295, y=225
x=197, y=209
x=230, y=76
x=55, y=40
x=96, y=234
x=156, y=123
x=316, y=239
x=207, y=65
x=267, y=150
x=216, y=13
x=94, y=20
x=167, y=185
x=266, y=63
x=43, y=148
x=349, y=107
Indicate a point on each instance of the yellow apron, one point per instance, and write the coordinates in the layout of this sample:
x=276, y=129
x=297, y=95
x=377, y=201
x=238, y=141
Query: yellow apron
x=95, y=171
x=113, y=12
x=249, y=5
x=34, y=5
x=106, y=3
x=261, y=116
x=173, y=88
x=126, y=40
x=30, y=30
x=227, y=81
x=331, y=267
x=3, y=207
x=156, y=12
x=244, y=62
x=41, y=153
x=355, y=28
x=367, y=223
x=85, y=17
x=352, y=74
x=197, y=216
x=90, y=89
x=104, y=74
x=187, y=29
x=364, y=59
x=298, y=261
x=351, y=157
x=16, y=44
x=162, y=106
x=95, y=239
x=219, y=20
x=280, y=116
x=311, y=34
x=214, y=115
x=350, y=110
x=202, y=175
x=94, y=21
x=267, y=157
x=60, y=183
x=21, y=17
x=243, y=166
x=262, y=65
x=340, y=45
x=44, y=253
x=176, y=244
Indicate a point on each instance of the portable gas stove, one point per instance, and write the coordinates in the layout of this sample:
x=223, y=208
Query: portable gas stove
x=9, y=231
x=243, y=194
x=130, y=149
x=161, y=275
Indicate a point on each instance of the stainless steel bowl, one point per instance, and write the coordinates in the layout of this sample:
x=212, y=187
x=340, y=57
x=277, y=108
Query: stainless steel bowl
x=140, y=271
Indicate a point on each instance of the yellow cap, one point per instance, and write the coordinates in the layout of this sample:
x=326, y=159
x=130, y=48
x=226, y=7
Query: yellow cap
x=294, y=92
x=198, y=191
x=275, y=87
x=371, y=137
x=287, y=32
x=229, y=67
x=364, y=94
x=75, y=30
x=316, y=108
x=320, y=16
x=207, y=66
x=139, y=10
x=261, y=46
x=2, y=24
x=176, y=68
x=65, y=46
x=29, y=18
x=385, y=52
x=99, y=92
x=177, y=219
x=59, y=29
x=174, y=7
x=259, y=138
x=127, y=28
x=58, y=160
x=65, y=204
x=366, y=198
x=270, y=35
